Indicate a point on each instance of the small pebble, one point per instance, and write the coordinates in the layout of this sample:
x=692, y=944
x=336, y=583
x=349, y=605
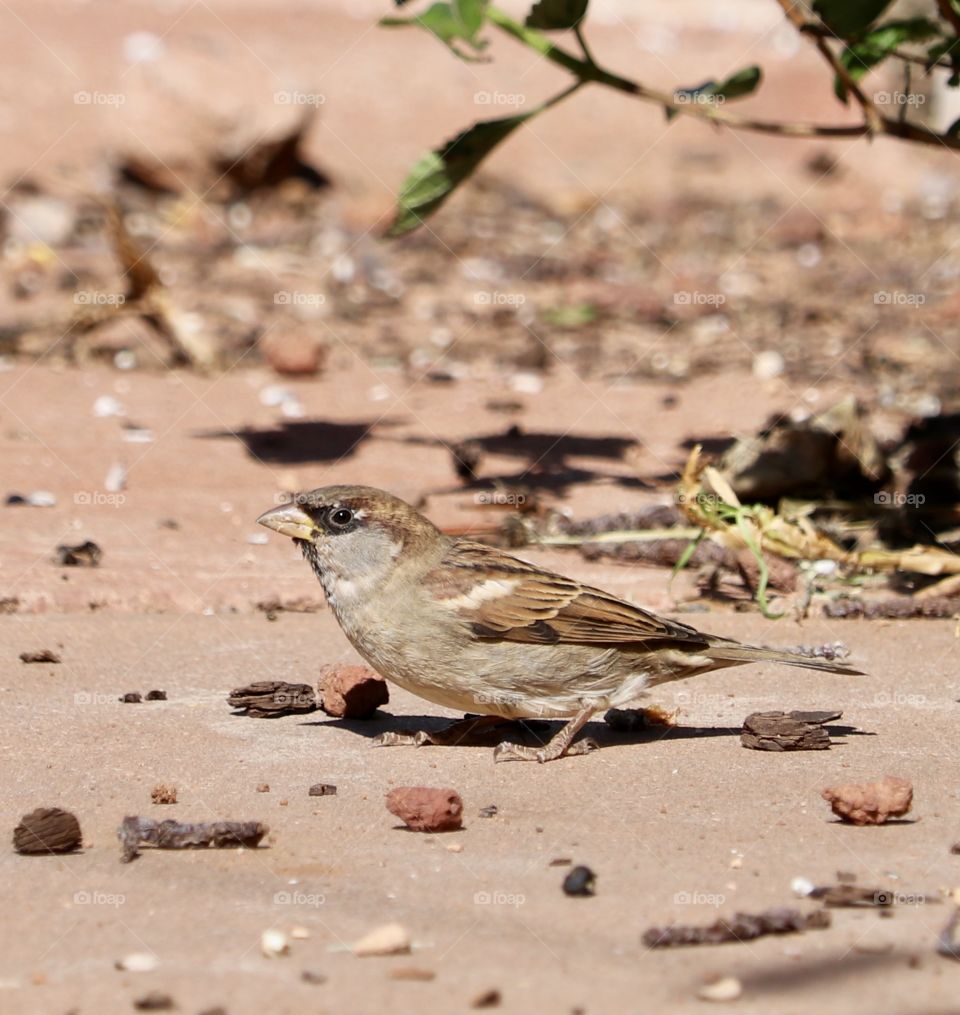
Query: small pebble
x=131, y=698
x=264, y=787
x=107, y=405
x=156, y=696
x=155, y=1000
x=488, y=999
x=412, y=973
x=390, y=939
x=802, y=887
x=455, y=847
x=726, y=988
x=322, y=789
x=580, y=881
x=137, y=962
x=489, y=812
x=274, y=943
x=312, y=976
x=299, y=933
x=423, y=809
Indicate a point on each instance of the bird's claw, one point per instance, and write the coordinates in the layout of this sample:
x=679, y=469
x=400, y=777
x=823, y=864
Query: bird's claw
x=391, y=739
x=509, y=751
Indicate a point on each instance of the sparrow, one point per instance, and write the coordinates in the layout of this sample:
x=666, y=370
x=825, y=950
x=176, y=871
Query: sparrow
x=469, y=627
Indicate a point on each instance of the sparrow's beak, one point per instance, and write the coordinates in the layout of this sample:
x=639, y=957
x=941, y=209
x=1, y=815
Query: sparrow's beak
x=289, y=520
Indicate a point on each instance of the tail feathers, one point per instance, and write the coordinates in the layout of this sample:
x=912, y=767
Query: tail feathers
x=734, y=654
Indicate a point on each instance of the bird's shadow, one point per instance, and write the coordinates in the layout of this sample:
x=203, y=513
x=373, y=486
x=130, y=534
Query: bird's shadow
x=470, y=732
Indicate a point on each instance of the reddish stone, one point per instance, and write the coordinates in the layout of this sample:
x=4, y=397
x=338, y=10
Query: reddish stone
x=352, y=692
x=426, y=810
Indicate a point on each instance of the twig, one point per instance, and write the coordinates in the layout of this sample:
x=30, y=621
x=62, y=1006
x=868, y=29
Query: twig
x=591, y=73
x=871, y=116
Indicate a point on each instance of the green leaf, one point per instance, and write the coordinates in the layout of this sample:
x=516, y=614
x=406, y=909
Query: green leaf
x=455, y=22
x=556, y=15
x=873, y=48
x=734, y=87
x=435, y=177
x=850, y=17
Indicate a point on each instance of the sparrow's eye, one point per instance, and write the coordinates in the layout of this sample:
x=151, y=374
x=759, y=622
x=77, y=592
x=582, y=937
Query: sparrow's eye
x=341, y=518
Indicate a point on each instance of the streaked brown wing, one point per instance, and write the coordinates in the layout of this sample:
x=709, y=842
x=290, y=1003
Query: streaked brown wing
x=511, y=600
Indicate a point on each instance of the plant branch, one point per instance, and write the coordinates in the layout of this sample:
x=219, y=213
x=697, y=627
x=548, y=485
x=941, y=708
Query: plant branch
x=871, y=115
x=587, y=72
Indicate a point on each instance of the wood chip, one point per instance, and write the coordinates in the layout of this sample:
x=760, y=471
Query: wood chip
x=268, y=698
x=47, y=830
x=782, y=731
x=44, y=655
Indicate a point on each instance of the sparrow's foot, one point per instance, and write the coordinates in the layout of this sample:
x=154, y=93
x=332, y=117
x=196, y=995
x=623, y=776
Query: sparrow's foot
x=508, y=751
x=562, y=744
x=417, y=739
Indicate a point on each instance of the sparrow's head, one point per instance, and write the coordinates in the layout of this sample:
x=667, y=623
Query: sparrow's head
x=351, y=532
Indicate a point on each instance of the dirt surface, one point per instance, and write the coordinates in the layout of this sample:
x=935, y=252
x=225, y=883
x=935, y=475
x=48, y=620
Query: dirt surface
x=565, y=312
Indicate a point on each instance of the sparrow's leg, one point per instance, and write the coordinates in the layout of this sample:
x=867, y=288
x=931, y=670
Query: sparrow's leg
x=461, y=732
x=560, y=745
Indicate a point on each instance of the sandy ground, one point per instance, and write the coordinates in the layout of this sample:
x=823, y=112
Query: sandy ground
x=678, y=827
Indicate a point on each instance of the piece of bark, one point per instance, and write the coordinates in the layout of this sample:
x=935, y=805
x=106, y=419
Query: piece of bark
x=426, y=810
x=352, y=692
x=895, y=608
x=47, y=830
x=170, y=834
x=267, y=698
x=870, y=803
x=740, y=927
x=781, y=574
x=782, y=731
x=848, y=895
x=44, y=655
x=86, y=554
